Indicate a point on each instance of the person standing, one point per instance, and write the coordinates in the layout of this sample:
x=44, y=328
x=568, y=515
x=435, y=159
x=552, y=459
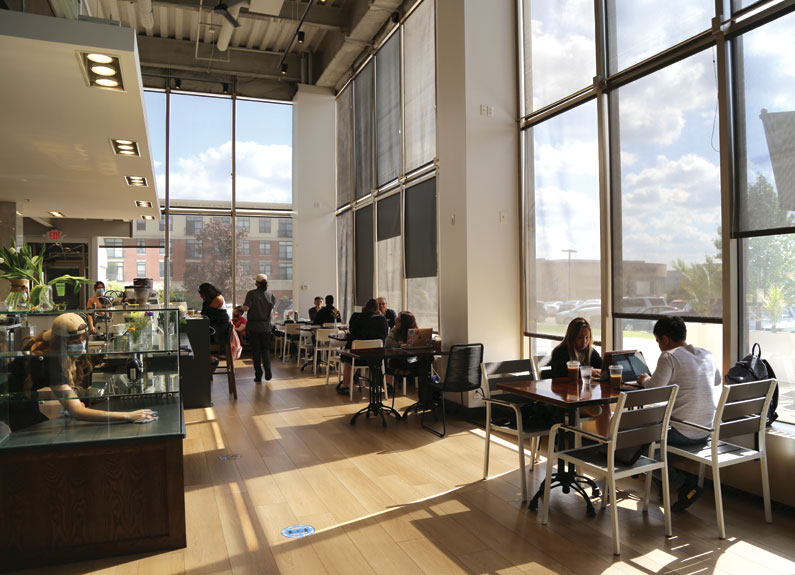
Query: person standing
x=259, y=305
x=97, y=301
x=389, y=314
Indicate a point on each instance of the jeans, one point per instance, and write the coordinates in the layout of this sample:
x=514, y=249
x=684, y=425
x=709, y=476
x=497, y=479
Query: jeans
x=675, y=477
x=260, y=347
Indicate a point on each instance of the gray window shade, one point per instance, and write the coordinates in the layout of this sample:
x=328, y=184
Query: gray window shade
x=420, y=89
x=345, y=263
x=345, y=147
x=363, y=238
x=387, y=110
x=421, y=230
x=363, y=129
x=389, y=217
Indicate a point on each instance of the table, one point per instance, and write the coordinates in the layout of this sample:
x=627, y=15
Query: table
x=561, y=392
x=374, y=359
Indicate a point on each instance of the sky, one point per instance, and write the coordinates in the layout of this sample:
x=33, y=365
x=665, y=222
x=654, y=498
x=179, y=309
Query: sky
x=201, y=148
x=667, y=128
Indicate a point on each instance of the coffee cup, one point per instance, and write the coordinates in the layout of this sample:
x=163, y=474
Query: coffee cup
x=615, y=374
x=573, y=368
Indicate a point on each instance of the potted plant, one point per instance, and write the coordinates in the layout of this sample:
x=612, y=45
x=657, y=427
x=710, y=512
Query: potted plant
x=25, y=273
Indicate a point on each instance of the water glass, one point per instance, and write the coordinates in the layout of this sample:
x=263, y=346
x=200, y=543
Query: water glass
x=585, y=373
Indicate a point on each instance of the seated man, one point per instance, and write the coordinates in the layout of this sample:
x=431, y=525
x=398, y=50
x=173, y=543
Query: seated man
x=239, y=322
x=695, y=372
x=328, y=314
x=315, y=308
x=389, y=314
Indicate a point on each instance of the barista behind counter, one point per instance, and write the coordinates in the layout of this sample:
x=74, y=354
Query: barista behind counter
x=62, y=374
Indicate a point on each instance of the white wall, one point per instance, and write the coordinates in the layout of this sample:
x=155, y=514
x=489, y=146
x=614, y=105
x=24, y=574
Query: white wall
x=314, y=196
x=478, y=184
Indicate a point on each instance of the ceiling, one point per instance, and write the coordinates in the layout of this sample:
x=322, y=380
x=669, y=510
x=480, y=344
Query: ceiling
x=60, y=156
x=56, y=154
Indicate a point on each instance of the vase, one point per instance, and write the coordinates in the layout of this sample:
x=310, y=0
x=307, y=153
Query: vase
x=18, y=298
x=41, y=297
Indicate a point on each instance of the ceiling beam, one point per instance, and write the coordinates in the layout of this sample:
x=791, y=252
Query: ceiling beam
x=321, y=17
x=181, y=55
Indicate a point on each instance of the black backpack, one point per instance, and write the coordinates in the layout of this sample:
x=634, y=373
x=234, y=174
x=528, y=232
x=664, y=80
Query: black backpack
x=753, y=368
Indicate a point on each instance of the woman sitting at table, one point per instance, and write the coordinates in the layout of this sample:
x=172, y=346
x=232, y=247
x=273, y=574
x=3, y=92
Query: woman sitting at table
x=398, y=336
x=366, y=324
x=577, y=345
x=57, y=368
x=214, y=309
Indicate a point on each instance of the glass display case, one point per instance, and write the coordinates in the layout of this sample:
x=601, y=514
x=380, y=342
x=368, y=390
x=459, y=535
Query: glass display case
x=92, y=426
x=130, y=364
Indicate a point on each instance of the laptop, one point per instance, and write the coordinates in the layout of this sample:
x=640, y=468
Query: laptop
x=633, y=363
x=420, y=337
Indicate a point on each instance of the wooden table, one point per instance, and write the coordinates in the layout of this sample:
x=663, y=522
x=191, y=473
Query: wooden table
x=374, y=359
x=563, y=393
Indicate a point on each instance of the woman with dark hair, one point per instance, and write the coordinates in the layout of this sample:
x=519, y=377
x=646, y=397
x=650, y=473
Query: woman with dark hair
x=398, y=336
x=96, y=301
x=213, y=307
x=366, y=324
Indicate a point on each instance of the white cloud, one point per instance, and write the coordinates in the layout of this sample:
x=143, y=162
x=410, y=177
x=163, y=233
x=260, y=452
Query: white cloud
x=577, y=157
x=567, y=219
x=264, y=174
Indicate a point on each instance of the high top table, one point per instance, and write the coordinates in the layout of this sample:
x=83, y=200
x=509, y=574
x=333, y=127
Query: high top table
x=563, y=393
x=374, y=359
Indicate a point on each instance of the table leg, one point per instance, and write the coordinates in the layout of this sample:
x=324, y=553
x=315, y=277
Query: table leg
x=568, y=479
x=376, y=405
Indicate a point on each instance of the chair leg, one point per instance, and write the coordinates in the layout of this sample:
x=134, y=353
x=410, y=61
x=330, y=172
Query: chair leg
x=765, y=488
x=718, y=500
x=534, y=444
x=666, y=494
x=547, y=483
x=605, y=494
x=611, y=482
x=488, y=442
x=522, y=469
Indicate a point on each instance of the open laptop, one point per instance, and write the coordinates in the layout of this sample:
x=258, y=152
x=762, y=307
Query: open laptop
x=631, y=360
x=420, y=337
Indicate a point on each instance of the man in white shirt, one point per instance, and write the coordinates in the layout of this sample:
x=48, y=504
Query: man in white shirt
x=695, y=372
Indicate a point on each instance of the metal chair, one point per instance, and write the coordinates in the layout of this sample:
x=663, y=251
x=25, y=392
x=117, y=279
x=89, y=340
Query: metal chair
x=501, y=372
x=462, y=375
x=292, y=331
x=646, y=424
x=742, y=409
x=324, y=346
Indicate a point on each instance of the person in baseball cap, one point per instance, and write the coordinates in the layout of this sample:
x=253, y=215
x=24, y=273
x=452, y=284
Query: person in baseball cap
x=259, y=306
x=68, y=325
x=259, y=278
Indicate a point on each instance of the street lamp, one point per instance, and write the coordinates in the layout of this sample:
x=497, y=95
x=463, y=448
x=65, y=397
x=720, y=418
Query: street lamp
x=569, y=287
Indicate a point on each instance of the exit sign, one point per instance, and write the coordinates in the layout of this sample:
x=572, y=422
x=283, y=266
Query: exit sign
x=54, y=235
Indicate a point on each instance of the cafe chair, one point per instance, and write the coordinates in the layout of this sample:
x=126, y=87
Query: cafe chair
x=742, y=409
x=507, y=417
x=324, y=346
x=305, y=345
x=364, y=371
x=641, y=418
x=226, y=364
x=462, y=375
x=292, y=331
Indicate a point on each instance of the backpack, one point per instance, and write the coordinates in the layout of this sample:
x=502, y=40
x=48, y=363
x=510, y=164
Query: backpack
x=753, y=368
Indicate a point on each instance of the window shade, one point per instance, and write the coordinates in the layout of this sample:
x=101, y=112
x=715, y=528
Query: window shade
x=345, y=180
x=387, y=110
x=420, y=88
x=364, y=240
x=363, y=129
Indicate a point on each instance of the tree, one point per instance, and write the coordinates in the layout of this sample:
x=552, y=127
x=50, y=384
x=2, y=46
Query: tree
x=216, y=264
x=702, y=283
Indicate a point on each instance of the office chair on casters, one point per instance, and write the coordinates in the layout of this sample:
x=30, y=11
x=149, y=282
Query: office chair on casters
x=630, y=429
x=742, y=409
x=463, y=374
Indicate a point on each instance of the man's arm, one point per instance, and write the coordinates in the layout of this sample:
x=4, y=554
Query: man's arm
x=662, y=375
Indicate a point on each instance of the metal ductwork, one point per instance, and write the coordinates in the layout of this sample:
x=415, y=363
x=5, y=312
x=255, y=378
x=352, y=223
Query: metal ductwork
x=227, y=27
x=145, y=14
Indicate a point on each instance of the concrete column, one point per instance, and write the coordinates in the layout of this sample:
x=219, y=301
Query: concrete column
x=478, y=186
x=10, y=228
x=314, y=196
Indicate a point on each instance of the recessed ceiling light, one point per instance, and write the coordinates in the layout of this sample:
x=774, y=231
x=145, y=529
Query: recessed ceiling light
x=125, y=147
x=100, y=58
x=148, y=218
x=136, y=181
x=101, y=70
x=124, y=142
x=143, y=204
x=19, y=213
x=127, y=153
x=106, y=82
x=57, y=214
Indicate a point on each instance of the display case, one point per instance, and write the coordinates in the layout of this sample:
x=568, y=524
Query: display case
x=91, y=483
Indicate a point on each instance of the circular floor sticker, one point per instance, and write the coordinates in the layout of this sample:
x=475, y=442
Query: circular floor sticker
x=298, y=531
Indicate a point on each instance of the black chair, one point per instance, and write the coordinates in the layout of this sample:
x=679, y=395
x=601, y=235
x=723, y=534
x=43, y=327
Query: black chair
x=462, y=375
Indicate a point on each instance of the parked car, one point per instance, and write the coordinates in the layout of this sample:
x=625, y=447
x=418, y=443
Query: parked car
x=635, y=303
x=589, y=310
x=648, y=324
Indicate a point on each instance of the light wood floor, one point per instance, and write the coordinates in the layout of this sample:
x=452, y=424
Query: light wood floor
x=400, y=500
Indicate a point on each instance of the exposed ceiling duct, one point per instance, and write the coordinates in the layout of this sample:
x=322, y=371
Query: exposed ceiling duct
x=229, y=11
x=145, y=14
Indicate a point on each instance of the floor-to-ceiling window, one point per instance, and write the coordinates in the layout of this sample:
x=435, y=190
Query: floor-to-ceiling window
x=629, y=177
x=223, y=171
x=386, y=145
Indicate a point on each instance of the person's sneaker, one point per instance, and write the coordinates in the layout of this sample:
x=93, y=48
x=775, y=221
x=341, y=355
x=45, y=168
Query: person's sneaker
x=688, y=493
x=268, y=376
x=257, y=380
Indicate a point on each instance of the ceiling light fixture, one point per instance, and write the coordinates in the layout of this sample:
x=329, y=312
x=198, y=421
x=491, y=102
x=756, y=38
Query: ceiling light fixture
x=19, y=213
x=139, y=181
x=177, y=84
x=225, y=87
x=284, y=69
x=125, y=147
x=143, y=204
x=57, y=214
x=102, y=70
x=148, y=218
x=301, y=36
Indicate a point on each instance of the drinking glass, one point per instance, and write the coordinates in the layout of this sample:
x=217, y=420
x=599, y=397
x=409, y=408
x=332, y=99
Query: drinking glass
x=574, y=370
x=585, y=372
x=615, y=375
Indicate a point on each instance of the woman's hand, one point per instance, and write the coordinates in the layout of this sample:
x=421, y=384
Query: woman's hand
x=596, y=373
x=140, y=414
